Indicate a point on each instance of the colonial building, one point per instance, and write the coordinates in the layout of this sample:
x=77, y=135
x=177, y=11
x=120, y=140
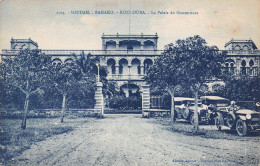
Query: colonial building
x=243, y=58
x=128, y=57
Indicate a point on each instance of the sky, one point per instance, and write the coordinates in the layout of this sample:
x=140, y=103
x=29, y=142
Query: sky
x=217, y=21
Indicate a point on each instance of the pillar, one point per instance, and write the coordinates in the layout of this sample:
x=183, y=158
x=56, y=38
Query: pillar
x=117, y=45
x=145, y=98
x=129, y=71
x=142, y=45
x=99, y=105
x=142, y=70
x=238, y=66
x=116, y=69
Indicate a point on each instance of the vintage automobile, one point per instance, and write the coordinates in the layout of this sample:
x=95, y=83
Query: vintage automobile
x=214, y=103
x=184, y=109
x=241, y=119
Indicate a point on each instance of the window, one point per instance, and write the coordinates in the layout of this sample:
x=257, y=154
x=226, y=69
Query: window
x=237, y=47
x=243, y=68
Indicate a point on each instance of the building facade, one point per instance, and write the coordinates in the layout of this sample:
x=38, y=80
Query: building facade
x=243, y=58
x=128, y=57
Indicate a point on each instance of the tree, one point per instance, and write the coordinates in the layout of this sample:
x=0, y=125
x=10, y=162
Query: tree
x=164, y=74
x=67, y=78
x=243, y=88
x=30, y=72
x=197, y=63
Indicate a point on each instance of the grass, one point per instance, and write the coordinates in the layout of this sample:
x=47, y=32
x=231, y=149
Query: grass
x=13, y=140
x=205, y=131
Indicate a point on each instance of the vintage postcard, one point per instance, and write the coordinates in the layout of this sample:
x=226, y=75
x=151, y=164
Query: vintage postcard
x=129, y=82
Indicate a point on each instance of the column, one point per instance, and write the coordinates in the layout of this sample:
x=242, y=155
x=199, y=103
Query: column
x=142, y=45
x=99, y=105
x=117, y=45
x=238, y=66
x=129, y=71
x=145, y=99
x=142, y=69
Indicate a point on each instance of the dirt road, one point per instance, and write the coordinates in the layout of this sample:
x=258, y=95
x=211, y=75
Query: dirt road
x=131, y=140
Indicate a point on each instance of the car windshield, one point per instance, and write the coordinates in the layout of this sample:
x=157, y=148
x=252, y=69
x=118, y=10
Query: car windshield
x=215, y=100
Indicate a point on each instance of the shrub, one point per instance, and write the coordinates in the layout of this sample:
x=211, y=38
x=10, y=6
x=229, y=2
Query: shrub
x=132, y=102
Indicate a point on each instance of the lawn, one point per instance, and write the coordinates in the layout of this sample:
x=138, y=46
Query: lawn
x=13, y=140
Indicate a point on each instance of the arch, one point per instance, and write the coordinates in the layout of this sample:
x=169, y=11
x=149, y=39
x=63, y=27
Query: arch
x=237, y=47
x=16, y=46
x=229, y=60
x=111, y=45
x=130, y=45
x=251, y=63
x=69, y=60
x=227, y=64
x=243, y=67
x=243, y=63
x=148, y=42
x=245, y=47
x=147, y=64
x=24, y=46
x=123, y=66
x=130, y=89
x=251, y=70
x=111, y=42
x=111, y=66
x=148, y=45
x=136, y=68
x=56, y=62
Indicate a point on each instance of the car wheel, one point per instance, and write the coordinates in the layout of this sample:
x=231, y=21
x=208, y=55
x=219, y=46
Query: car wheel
x=191, y=118
x=241, y=127
x=217, y=123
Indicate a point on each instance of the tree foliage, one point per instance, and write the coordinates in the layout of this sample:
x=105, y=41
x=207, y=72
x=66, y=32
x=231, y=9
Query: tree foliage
x=189, y=63
x=70, y=80
x=30, y=72
x=242, y=88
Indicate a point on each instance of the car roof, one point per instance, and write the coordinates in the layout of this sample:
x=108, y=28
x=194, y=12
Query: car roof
x=213, y=98
x=183, y=99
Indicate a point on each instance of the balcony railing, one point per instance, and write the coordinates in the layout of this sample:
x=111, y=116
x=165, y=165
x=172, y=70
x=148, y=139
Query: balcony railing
x=243, y=52
x=123, y=52
x=92, y=52
x=124, y=76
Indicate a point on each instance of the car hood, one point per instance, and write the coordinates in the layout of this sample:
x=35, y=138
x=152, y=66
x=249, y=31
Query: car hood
x=246, y=111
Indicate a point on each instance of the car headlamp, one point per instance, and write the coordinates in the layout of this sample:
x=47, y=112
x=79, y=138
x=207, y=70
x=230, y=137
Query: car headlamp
x=248, y=116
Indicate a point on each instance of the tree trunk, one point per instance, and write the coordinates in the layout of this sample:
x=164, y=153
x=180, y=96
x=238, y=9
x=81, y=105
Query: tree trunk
x=26, y=110
x=63, y=108
x=196, y=117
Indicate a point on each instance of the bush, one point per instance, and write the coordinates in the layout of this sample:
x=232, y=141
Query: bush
x=126, y=103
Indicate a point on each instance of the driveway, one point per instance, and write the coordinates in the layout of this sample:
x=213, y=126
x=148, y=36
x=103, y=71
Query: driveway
x=131, y=140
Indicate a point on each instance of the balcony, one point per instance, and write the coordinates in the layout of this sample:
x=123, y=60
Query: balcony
x=92, y=52
x=125, y=77
x=243, y=52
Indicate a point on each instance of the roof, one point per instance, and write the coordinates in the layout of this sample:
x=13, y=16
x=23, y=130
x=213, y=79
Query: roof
x=130, y=36
x=183, y=99
x=212, y=98
x=241, y=41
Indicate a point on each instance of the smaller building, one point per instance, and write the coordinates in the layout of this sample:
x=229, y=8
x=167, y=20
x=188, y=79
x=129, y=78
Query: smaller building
x=243, y=58
x=18, y=44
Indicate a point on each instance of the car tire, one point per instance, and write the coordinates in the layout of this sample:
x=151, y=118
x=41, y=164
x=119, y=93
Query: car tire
x=191, y=118
x=217, y=122
x=241, y=127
